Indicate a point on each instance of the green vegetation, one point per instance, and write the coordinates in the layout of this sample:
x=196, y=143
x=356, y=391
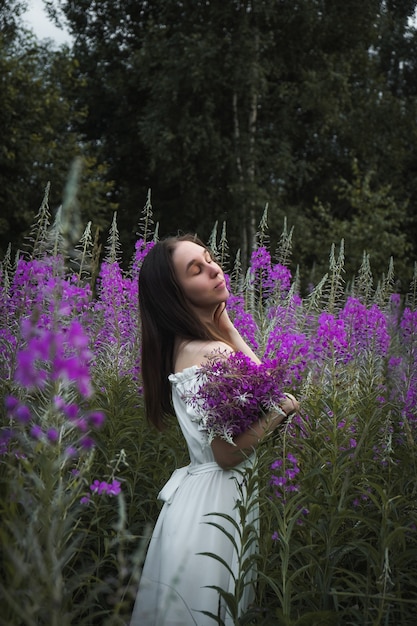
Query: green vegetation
x=220, y=109
x=336, y=486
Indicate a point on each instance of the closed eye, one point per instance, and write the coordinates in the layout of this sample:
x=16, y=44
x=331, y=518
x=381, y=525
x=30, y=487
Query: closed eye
x=195, y=266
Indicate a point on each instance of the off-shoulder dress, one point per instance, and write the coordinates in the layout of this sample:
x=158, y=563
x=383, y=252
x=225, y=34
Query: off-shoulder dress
x=177, y=581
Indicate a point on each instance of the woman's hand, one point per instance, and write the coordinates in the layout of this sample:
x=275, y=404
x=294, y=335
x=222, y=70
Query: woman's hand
x=289, y=404
x=229, y=455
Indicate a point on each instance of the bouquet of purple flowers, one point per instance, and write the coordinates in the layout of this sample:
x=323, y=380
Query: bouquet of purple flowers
x=234, y=392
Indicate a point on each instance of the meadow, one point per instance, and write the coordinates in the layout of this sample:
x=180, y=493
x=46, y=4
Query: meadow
x=80, y=468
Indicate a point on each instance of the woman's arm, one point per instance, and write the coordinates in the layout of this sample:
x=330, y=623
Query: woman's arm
x=228, y=455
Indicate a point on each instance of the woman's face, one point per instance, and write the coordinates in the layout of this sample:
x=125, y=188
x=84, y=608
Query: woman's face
x=200, y=277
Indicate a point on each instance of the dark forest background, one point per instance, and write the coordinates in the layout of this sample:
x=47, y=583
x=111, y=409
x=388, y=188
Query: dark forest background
x=220, y=109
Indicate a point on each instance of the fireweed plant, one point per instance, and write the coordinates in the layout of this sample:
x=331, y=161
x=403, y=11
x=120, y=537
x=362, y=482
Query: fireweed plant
x=47, y=445
x=80, y=470
x=233, y=392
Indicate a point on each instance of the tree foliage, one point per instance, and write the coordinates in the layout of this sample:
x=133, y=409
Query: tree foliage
x=221, y=108
x=38, y=126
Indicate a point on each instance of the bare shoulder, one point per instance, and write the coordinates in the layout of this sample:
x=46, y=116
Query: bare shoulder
x=199, y=352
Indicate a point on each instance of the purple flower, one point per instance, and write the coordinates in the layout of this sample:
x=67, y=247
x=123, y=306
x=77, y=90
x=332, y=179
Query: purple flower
x=283, y=476
x=52, y=435
x=234, y=392
x=243, y=320
x=22, y=413
x=59, y=354
x=116, y=307
x=70, y=410
x=36, y=431
x=11, y=403
x=87, y=442
x=141, y=250
x=330, y=340
x=81, y=424
x=114, y=488
x=6, y=435
x=268, y=278
x=366, y=328
x=100, y=487
x=97, y=419
x=59, y=403
x=27, y=373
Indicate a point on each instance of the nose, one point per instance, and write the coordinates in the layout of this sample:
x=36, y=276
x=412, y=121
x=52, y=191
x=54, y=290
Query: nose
x=214, y=269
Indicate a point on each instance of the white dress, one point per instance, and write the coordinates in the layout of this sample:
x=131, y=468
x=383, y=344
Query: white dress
x=174, y=586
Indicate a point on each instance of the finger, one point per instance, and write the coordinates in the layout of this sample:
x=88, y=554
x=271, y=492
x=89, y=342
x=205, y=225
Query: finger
x=290, y=396
x=295, y=405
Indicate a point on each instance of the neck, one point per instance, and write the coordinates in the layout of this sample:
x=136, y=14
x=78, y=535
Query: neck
x=206, y=316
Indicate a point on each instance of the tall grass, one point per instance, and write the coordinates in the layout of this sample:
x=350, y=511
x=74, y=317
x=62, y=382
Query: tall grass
x=336, y=487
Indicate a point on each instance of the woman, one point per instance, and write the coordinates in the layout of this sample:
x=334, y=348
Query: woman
x=182, y=298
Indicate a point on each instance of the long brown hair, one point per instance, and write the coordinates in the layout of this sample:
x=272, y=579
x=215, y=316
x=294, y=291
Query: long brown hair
x=165, y=314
